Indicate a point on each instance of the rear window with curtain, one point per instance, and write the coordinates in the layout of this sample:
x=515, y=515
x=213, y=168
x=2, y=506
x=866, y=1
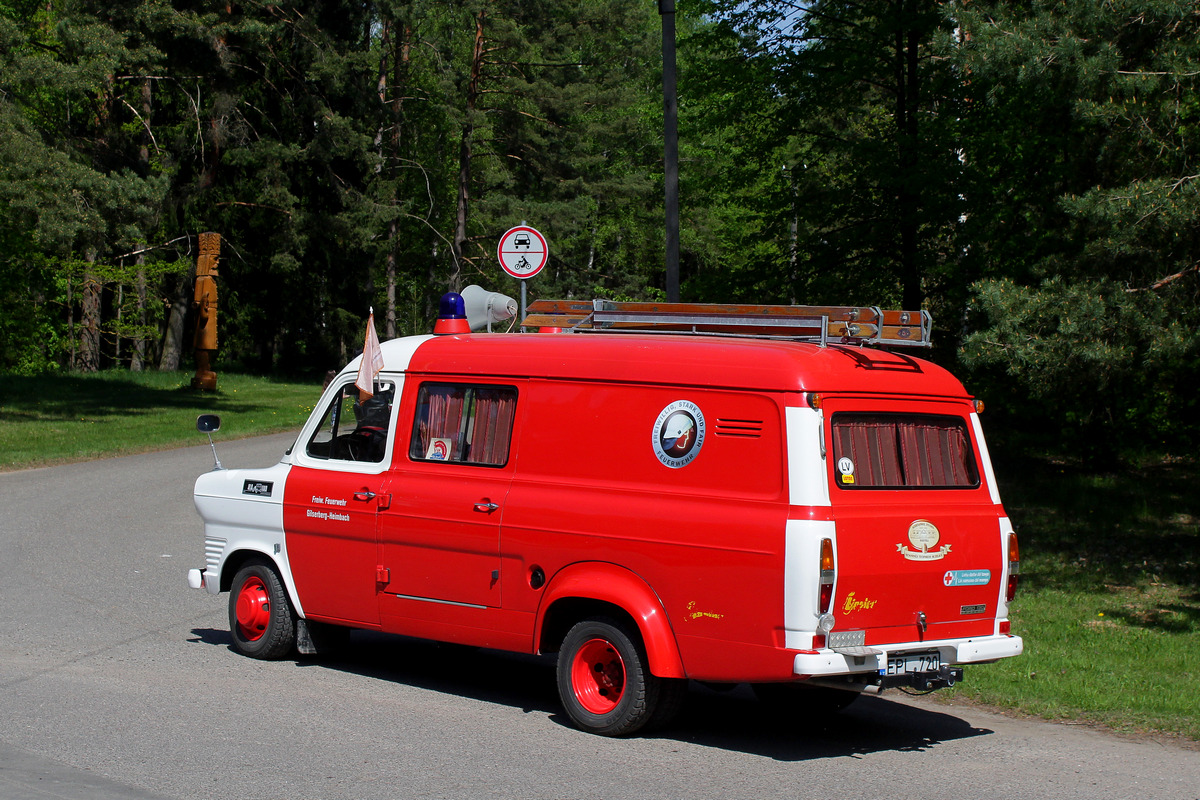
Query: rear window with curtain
x=902, y=451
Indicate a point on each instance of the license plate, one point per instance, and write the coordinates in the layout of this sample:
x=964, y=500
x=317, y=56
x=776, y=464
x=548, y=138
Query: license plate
x=910, y=663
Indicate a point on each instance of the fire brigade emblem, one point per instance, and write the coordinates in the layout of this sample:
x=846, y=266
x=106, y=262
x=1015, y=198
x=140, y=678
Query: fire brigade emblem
x=678, y=434
x=924, y=536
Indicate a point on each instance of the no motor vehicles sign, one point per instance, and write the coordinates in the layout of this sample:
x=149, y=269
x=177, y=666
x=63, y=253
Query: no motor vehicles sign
x=522, y=252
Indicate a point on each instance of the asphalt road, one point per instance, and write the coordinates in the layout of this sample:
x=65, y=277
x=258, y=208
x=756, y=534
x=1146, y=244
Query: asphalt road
x=117, y=681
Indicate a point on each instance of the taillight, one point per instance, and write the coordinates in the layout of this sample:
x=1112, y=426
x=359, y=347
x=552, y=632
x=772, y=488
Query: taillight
x=827, y=574
x=1014, y=567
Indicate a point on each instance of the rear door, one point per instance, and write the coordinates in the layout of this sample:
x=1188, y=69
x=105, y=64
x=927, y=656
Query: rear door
x=919, y=549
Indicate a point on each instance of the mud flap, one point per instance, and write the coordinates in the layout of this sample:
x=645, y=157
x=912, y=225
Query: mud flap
x=304, y=642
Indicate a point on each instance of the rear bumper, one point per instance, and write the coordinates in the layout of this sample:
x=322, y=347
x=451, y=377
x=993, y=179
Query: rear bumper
x=874, y=659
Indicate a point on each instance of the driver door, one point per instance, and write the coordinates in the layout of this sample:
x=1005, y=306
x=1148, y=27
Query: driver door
x=332, y=502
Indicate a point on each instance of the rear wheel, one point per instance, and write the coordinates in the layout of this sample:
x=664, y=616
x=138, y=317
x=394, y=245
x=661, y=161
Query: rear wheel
x=604, y=679
x=260, y=615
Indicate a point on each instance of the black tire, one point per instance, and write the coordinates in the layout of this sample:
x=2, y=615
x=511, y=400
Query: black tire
x=260, y=614
x=799, y=698
x=604, y=679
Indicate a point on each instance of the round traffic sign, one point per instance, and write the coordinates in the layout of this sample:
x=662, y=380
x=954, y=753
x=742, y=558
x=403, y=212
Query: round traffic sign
x=522, y=252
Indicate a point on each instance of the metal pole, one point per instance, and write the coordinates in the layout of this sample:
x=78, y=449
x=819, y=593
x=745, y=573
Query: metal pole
x=666, y=8
x=524, y=295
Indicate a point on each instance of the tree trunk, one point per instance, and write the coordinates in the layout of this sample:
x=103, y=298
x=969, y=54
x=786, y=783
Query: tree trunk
x=908, y=196
x=397, y=39
x=137, y=361
x=172, y=349
x=389, y=327
x=89, y=338
x=464, y=157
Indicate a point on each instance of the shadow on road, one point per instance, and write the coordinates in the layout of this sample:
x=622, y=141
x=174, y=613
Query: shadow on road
x=737, y=721
x=732, y=720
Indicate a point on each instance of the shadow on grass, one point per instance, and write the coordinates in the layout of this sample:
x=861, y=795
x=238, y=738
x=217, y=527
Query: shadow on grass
x=69, y=397
x=1086, y=531
x=732, y=720
x=1181, y=617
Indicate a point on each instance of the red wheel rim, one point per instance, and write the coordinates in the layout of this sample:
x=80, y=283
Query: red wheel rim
x=598, y=676
x=253, y=609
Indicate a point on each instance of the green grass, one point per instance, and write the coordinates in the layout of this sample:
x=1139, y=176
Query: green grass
x=52, y=419
x=1109, y=603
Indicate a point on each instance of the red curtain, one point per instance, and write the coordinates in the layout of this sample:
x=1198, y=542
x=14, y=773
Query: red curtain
x=492, y=425
x=904, y=451
x=477, y=421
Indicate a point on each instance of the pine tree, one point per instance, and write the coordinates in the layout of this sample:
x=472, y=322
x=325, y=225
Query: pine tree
x=1090, y=174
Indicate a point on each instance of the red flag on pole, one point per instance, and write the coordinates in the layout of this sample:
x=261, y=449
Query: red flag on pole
x=372, y=361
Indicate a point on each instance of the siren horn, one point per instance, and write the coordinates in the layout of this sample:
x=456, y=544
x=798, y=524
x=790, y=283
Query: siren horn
x=483, y=308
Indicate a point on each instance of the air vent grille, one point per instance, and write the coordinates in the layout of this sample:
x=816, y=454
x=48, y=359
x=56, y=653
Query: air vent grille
x=741, y=428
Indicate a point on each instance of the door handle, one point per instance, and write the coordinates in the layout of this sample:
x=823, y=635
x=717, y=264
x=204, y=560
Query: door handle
x=364, y=495
x=486, y=507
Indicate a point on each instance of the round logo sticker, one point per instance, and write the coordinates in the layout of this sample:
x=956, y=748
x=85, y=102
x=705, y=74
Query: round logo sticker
x=923, y=535
x=678, y=434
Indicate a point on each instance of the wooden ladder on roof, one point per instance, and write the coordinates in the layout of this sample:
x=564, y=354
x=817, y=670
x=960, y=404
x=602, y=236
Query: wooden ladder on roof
x=821, y=324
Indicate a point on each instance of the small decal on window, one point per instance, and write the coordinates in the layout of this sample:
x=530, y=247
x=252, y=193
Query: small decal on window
x=846, y=468
x=439, y=450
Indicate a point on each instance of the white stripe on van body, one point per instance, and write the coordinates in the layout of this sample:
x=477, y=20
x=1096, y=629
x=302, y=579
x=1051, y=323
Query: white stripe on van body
x=808, y=485
x=989, y=475
x=1002, y=601
x=802, y=579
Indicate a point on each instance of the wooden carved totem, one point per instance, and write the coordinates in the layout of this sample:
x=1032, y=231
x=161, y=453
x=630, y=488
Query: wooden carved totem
x=204, y=301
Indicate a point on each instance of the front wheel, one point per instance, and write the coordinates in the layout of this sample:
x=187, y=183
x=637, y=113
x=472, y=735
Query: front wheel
x=260, y=615
x=604, y=679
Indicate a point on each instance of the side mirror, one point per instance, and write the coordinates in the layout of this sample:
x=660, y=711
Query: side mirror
x=206, y=424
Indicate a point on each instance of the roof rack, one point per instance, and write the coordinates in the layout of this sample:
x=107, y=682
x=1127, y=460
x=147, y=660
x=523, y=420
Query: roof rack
x=823, y=324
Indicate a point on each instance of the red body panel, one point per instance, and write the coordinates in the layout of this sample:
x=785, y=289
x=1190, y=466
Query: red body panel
x=707, y=538
x=331, y=543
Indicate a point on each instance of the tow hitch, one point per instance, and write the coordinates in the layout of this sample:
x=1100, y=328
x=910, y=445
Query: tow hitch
x=944, y=678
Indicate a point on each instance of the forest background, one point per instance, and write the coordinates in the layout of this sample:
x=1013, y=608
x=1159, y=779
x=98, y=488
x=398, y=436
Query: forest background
x=1024, y=170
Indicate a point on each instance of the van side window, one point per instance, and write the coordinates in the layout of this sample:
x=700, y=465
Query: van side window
x=354, y=428
x=902, y=451
x=463, y=424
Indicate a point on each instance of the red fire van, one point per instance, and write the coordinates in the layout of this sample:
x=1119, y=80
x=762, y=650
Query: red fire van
x=658, y=493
